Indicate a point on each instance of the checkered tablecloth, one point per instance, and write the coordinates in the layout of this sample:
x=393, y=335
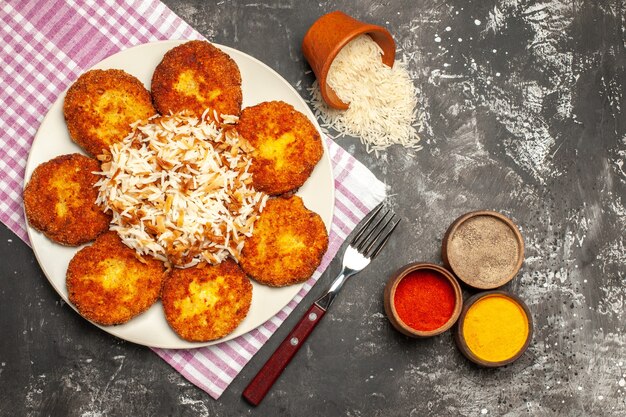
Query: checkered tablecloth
x=46, y=46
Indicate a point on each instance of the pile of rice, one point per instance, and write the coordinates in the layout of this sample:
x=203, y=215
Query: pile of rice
x=382, y=100
x=179, y=189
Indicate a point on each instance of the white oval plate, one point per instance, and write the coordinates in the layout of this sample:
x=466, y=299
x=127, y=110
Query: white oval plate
x=260, y=83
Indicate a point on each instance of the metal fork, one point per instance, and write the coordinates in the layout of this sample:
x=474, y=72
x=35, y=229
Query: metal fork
x=369, y=239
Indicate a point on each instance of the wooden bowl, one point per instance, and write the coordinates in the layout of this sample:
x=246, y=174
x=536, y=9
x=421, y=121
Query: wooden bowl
x=328, y=35
x=460, y=337
x=484, y=249
x=390, y=292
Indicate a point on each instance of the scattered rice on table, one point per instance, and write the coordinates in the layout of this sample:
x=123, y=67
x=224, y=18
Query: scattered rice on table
x=382, y=100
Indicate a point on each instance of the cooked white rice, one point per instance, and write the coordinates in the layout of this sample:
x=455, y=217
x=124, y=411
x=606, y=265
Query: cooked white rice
x=179, y=189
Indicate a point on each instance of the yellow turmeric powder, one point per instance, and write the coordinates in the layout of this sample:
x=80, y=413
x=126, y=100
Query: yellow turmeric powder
x=495, y=328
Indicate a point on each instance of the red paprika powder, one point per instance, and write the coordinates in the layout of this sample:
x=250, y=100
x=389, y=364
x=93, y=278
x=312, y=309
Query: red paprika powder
x=424, y=300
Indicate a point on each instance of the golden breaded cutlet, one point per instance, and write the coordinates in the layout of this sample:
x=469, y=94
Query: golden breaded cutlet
x=206, y=302
x=60, y=200
x=100, y=106
x=195, y=76
x=108, y=283
x=287, y=146
x=287, y=244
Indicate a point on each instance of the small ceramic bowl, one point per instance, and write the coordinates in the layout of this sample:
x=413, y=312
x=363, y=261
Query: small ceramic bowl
x=390, y=293
x=460, y=336
x=328, y=35
x=484, y=249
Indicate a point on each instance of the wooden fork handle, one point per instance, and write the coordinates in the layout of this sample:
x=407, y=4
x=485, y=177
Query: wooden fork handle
x=269, y=373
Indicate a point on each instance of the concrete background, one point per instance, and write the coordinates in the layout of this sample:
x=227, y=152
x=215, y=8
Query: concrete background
x=521, y=109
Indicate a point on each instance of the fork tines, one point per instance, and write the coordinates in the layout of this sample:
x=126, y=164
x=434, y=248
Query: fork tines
x=374, y=233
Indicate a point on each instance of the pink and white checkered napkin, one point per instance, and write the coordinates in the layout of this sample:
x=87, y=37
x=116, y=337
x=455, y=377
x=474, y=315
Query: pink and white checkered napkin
x=46, y=46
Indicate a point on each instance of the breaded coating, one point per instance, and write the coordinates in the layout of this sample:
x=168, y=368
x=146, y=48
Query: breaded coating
x=206, y=302
x=287, y=243
x=109, y=284
x=100, y=106
x=195, y=76
x=60, y=200
x=286, y=145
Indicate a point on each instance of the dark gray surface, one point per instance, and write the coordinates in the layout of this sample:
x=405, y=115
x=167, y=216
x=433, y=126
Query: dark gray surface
x=522, y=115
